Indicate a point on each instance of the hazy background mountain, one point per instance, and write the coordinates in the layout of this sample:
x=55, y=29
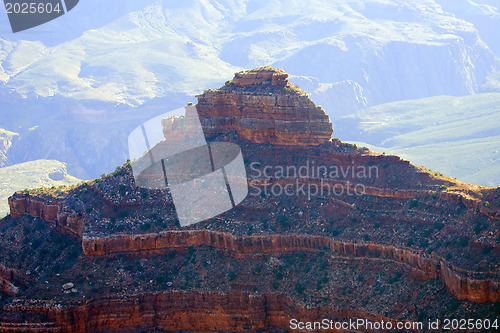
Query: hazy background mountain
x=74, y=88
x=6, y=138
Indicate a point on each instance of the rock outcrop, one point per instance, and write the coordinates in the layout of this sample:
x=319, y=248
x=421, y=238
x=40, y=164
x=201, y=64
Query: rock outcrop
x=34, y=207
x=262, y=107
x=49, y=211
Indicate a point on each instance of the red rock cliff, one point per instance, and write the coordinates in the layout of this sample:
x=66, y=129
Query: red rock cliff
x=462, y=286
x=181, y=311
x=261, y=106
x=49, y=211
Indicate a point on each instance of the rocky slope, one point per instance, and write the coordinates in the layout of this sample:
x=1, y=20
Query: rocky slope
x=485, y=289
x=79, y=72
x=6, y=138
x=327, y=230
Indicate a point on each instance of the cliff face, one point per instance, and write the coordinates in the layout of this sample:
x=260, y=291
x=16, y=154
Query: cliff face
x=458, y=281
x=34, y=207
x=183, y=311
x=49, y=211
x=262, y=107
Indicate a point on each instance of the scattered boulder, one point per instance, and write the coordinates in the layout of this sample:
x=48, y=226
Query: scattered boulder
x=68, y=286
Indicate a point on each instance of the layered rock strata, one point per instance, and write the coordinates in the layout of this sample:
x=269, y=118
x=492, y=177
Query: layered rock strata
x=458, y=281
x=262, y=107
x=181, y=311
x=49, y=211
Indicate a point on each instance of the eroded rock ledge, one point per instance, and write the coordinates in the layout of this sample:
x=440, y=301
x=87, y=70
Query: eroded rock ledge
x=457, y=197
x=179, y=311
x=49, y=211
x=472, y=286
x=460, y=282
x=67, y=220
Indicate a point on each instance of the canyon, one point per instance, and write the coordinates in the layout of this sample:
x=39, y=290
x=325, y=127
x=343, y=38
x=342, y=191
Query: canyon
x=462, y=286
x=412, y=245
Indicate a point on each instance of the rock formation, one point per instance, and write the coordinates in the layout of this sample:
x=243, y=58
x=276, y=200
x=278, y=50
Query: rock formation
x=408, y=244
x=262, y=107
x=181, y=311
x=48, y=211
x=486, y=289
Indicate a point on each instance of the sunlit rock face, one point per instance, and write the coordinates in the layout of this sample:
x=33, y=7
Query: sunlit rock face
x=261, y=106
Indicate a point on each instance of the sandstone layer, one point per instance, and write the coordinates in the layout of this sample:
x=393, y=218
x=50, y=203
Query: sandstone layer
x=262, y=107
x=49, y=211
x=181, y=311
x=458, y=281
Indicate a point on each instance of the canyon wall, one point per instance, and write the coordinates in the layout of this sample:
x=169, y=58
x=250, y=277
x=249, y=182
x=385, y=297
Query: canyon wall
x=458, y=281
x=183, y=311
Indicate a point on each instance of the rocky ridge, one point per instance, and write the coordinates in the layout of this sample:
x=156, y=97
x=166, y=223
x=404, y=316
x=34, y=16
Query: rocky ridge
x=463, y=286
